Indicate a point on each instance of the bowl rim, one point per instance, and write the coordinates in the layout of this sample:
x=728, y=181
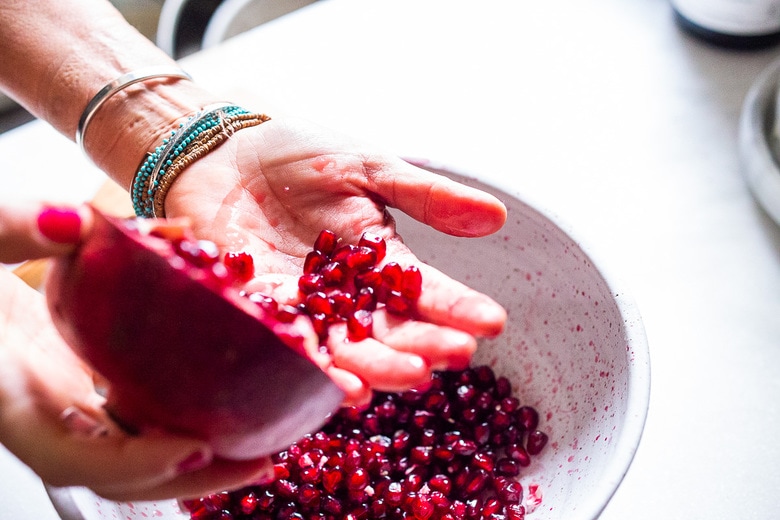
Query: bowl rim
x=758, y=163
x=638, y=388
x=639, y=382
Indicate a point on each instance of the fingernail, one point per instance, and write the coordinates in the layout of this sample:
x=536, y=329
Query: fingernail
x=60, y=225
x=79, y=422
x=417, y=362
x=194, y=461
x=265, y=476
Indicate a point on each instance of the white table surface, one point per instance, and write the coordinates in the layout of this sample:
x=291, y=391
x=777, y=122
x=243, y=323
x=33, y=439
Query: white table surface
x=603, y=111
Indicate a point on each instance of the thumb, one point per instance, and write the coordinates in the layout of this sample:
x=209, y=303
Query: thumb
x=442, y=203
x=37, y=230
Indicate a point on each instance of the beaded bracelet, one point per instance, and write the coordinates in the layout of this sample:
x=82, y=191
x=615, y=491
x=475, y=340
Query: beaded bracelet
x=200, y=134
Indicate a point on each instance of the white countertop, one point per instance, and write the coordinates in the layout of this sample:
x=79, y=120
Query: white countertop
x=603, y=111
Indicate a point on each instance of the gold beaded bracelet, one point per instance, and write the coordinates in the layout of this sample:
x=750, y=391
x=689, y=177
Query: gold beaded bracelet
x=205, y=143
x=196, y=137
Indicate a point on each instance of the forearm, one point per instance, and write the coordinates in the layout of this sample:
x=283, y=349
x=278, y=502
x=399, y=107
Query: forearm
x=57, y=54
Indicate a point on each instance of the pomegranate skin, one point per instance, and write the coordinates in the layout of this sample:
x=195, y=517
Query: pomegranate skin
x=183, y=351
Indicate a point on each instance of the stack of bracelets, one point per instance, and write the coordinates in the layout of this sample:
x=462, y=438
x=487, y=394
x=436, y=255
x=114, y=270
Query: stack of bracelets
x=200, y=134
x=196, y=137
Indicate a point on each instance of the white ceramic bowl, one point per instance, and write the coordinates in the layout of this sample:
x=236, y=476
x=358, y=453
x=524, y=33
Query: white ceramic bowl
x=574, y=347
x=759, y=140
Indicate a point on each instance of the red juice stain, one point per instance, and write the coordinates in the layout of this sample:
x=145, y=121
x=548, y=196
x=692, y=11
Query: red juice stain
x=320, y=163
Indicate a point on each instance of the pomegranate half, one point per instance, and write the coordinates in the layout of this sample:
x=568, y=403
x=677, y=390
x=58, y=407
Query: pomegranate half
x=184, y=350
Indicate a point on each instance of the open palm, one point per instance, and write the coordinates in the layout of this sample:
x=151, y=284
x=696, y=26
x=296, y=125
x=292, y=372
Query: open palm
x=270, y=190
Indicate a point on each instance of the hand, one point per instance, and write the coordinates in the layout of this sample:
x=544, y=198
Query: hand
x=271, y=189
x=51, y=415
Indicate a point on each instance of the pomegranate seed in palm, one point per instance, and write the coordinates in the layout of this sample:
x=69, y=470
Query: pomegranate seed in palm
x=411, y=283
x=326, y=242
x=240, y=264
x=392, y=276
x=375, y=242
x=360, y=325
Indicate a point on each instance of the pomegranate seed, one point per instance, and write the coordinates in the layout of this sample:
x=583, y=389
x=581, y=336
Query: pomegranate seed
x=392, y=276
x=441, y=483
x=466, y=394
x=536, y=442
x=365, y=299
x=319, y=303
x=311, y=282
x=314, y=261
x=377, y=508
x=375, y=242
x=458, y=510
x=491, y=507
x=248, y=503
x=474, y=508
x=361, y=258
x=332, y=478
x=320, y=323
x=503, y=387
x=200, y=253
x=478, y=480
x=413, y=482
x=508, y=490
x=398, y=304
x=286, y=489
x=369, y=278
x=422, y=507
x=420, y=454
x=515, y=512
x=287, y=314
x=333, y=274
x=267, y=303
x=518, y=453
x=484, y=461
x=326, y=242
x=342, y=252
x=528, y=418
x=411, y=283
x=342, y=303
x=482, y=433
x=394, y=494
x=240, y=264
x=500, y=420
x=465, y=447
x=357, y=480
x=359, y=325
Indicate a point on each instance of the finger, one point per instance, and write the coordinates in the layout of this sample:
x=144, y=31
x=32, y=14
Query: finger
x=36, y=230
x=437, y=201
x=446, y=301
x=444, y=348
x=381, y=367
x=356, y=391
x=72, y=449
x=220, y=475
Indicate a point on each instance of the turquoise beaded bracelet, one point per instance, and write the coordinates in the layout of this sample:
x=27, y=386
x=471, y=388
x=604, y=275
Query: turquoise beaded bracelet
x=154, y=168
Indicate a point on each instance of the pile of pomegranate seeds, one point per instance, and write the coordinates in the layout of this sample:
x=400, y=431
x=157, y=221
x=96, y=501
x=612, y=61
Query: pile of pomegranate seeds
x=343, y=283
x=451, y=452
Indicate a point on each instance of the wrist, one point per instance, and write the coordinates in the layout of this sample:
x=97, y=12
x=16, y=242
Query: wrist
x=136, y=120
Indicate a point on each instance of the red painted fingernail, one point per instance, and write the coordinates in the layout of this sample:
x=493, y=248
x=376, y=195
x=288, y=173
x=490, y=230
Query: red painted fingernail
x=60, y=225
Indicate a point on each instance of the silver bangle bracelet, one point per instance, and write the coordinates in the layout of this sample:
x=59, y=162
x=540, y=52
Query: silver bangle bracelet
x=117, y=85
